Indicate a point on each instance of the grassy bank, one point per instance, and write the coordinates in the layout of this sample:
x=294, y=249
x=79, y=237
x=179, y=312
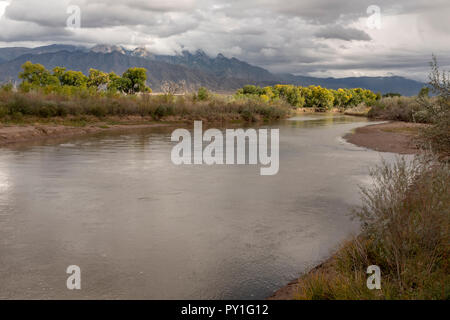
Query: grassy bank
x=405, y=221
x=20, y=107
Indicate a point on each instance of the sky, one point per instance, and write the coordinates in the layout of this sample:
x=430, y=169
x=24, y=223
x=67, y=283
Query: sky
x=324, y=38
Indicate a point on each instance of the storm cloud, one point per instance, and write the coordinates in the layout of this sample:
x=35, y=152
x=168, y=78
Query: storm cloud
x=308, y=37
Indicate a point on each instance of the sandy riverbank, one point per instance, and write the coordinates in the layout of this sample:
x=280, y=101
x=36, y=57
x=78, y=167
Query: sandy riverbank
x=395, y=137
x=12, y=134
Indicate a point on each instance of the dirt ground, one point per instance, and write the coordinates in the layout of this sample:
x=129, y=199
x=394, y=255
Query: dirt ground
x=28, y=133
x=396, y=137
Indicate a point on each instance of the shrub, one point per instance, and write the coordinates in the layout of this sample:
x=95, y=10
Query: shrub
x=7, y=87
x=405, y=220
x=203, y=94
x=3, y=111
x=397, y=108
x=74, y=101
x=437, y=136
x=391, y=95
x=48, y=110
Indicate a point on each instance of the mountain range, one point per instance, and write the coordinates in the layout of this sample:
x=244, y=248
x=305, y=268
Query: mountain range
x=197, y=69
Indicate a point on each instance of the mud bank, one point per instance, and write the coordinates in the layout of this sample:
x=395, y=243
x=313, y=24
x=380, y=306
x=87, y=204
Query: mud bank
x=29, y=133
x=395, y=137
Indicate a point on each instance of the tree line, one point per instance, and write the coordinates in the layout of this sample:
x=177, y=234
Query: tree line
x=311, y=96
x=35, y=76
x=133, y=80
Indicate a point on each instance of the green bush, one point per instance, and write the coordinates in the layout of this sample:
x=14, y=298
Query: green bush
x=97, y=110
x=203, y=94
x=3, y=111
x=47, y=111
x=8, y=87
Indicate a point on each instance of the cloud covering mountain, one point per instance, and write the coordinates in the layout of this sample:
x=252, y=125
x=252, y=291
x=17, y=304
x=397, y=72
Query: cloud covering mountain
x=197, y=69
x=309, y=37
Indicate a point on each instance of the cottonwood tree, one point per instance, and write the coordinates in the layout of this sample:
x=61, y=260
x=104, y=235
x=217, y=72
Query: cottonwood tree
x=97, y=78
x=74, y=78
x=36, y=75
x=134, y=81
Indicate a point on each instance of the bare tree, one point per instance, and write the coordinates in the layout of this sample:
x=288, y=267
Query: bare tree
x=172, y=87
x=439, y=80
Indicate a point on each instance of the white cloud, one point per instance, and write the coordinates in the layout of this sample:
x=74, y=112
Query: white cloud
x=3, y=5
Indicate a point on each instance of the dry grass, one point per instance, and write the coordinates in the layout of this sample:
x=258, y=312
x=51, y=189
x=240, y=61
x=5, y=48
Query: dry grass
x=360, y=110
x=16, y=107
x=405, y=221
x=408, y=109
x=437, y=136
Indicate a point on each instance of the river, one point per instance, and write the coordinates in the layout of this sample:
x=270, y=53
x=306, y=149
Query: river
x=140, y=227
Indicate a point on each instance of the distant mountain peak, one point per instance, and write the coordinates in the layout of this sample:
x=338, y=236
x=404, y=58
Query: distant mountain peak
x=201, y=53
x=104, y=48
x=142, y=52
x=185, y=53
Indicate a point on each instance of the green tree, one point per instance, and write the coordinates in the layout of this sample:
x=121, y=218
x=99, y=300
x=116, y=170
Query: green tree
x=391, y=95
x=342, y=97
x=357, y=97
x=307, y=95
x=36, y=75
x=59, y=72
x=251, y=90
x=97, y=78
x=113, y=84
x=134, y=80
x=74, y=78
x=368, y=97
x=424, y=92
x=203, y=94
x=124, y=85
x=267, y=91
x=321, y=98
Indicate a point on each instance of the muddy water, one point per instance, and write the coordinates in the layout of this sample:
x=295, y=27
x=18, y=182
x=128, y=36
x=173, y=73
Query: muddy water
x=140, y=227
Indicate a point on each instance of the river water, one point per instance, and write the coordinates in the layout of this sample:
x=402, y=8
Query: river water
x=140, y=227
